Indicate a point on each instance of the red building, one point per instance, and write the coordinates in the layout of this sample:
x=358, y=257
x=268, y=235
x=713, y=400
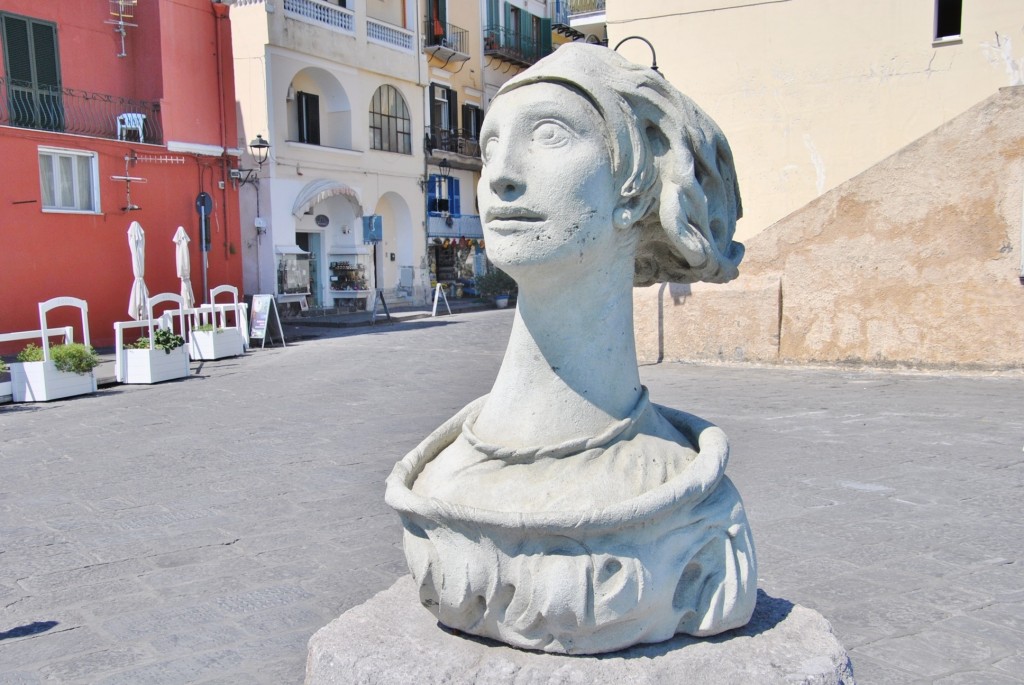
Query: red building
x=91, y=93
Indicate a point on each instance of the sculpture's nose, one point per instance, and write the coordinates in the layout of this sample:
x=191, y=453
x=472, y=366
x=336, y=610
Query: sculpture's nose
x=505, y=174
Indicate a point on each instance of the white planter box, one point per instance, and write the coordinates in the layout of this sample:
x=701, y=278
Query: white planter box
x=5, y=391
x=155, y=366
x=209, y=345
x=42, y=382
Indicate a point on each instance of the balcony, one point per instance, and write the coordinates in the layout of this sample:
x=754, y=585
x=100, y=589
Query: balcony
x=512, y=46
x=322, y=14
x=386, y=34
x=459, y=141
x=585, y=6
x=68, y=110
x=560, y=22
x=445, y=41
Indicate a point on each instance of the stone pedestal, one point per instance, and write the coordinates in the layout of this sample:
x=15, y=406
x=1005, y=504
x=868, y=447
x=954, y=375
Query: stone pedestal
x=392, y=640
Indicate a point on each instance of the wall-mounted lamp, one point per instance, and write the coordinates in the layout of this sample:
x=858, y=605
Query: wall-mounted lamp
x=290, y=96
x=445, y=170
x=259, y=149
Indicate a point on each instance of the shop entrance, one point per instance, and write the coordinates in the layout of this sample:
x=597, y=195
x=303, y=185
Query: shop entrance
x=311, y=243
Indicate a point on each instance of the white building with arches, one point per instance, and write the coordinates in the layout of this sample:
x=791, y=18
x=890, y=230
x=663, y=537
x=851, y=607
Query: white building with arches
x=336, y=89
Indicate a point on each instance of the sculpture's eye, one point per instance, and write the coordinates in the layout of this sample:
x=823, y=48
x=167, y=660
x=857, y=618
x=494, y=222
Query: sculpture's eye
x=488, y=148
x=550, y=133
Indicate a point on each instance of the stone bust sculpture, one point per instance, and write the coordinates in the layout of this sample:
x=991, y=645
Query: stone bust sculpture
x=564, y=511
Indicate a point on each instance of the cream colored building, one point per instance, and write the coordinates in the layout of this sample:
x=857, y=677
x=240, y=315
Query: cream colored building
x=813, y=92
x=337, y=89
x=454, y=109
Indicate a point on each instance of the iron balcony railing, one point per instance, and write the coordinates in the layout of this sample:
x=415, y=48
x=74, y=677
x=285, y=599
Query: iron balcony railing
x=513, y=46
x=439, y=34
x=585, y=6
x=459, y=141
x=24, y=104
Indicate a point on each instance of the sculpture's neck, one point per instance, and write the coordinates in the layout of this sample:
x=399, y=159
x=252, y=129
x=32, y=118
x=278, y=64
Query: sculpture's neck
x=570, y=368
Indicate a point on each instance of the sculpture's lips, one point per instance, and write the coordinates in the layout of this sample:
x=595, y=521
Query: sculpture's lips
x=511, y=213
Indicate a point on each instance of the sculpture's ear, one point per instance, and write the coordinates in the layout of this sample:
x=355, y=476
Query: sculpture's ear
x=629, y=210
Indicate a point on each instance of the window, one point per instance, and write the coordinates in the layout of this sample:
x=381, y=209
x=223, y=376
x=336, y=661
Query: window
x=947, y=19
x=67, y=179
x=443, y=109
x=390, y=126
x=443, y=195
x=33, y=73
x=472, y=120
x=309, y=117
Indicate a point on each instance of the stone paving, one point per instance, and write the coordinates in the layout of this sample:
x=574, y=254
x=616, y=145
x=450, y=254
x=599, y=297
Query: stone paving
x=201, y=531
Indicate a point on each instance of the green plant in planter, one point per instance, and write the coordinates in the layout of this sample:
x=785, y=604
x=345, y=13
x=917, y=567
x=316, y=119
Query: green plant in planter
x=494, y=283
x=163, y=339
x=31, y=353
x=207, y=327
x=70, y=358
x=3, y=366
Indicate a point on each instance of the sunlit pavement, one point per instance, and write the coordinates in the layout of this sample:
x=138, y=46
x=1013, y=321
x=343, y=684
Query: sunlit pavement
x=201, y=531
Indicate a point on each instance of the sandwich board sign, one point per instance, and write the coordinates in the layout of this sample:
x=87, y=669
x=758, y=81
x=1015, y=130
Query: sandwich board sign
x=264, y=318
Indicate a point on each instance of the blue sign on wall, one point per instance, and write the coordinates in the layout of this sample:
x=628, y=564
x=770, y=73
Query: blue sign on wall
x=373, y=229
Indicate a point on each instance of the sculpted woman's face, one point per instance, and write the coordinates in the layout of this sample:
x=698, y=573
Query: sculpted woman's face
x=547, y=191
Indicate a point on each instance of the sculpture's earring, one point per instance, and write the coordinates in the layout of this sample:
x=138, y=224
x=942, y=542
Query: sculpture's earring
x=621, y=218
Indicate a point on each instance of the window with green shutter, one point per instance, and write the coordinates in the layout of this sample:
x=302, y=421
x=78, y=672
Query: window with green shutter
x=33, y=73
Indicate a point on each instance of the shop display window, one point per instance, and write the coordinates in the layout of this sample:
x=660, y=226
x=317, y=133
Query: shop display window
x=350, y=273
x=293, y=274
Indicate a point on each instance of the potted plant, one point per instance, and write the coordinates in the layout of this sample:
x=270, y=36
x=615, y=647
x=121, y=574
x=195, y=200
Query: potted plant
x=497, y=285
x=158, y=355
x=209, y=341
x=51, y=372
x=163, y=358
x=67, y=372
x=210, y=336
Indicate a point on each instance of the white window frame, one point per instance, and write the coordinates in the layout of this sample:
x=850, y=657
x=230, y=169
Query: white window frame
x=94, y=185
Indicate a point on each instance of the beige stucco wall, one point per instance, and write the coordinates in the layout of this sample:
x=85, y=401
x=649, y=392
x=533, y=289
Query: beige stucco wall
x=812, y=92
x=916, y=261
x=274, y=50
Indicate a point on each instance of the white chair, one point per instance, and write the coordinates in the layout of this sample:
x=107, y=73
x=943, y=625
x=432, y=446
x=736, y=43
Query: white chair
x=130, y=121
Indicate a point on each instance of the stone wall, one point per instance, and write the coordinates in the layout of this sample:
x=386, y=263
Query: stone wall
x=916, y=261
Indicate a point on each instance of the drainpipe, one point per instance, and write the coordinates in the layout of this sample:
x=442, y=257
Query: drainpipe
x=424, y=84
x=220, y=13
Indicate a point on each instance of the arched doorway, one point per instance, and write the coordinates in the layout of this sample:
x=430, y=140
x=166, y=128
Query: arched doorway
x=396, y=255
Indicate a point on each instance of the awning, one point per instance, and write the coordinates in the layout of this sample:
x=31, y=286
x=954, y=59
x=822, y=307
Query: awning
x=289, y=249
x=465, y=226
x=317, y=191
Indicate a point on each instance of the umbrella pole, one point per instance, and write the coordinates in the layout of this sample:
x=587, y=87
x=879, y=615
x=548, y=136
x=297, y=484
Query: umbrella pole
x=202, y=246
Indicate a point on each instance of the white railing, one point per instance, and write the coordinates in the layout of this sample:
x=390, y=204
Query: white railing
x=386, y=34
x=317, y=12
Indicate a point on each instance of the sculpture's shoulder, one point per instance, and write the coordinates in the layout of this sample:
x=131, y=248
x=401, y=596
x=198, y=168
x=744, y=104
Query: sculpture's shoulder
x=657, y=448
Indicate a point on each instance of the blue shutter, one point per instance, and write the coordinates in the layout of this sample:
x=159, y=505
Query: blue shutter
x=432, y=188
x=453, y=197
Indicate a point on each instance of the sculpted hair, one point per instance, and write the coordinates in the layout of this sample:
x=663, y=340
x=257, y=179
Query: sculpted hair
x=678, y=180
